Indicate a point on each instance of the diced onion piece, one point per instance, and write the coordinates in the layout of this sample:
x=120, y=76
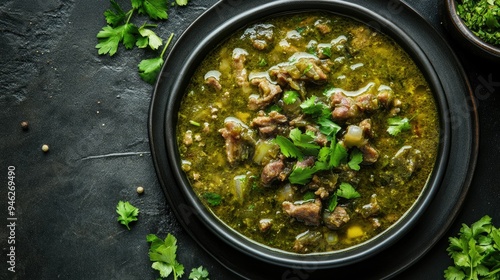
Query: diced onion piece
x=354, y=136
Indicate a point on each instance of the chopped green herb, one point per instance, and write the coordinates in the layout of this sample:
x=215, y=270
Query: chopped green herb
x=309, y=196
x=195, y=123
x=127, y=213
x=398, y=125
x=482, y=17
x=213, y=199
x=326, y=51
x=262, y=62
x=290, y=97
x=332, y=202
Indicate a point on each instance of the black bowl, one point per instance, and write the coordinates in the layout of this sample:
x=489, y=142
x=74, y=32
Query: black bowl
x=203, y=43
x=465, y=37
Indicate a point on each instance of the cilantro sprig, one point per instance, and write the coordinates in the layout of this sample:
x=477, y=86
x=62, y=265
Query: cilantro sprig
x=127, y=213
x=475, y=252
x=120, y=30
x=346, y=191
x=398, y=125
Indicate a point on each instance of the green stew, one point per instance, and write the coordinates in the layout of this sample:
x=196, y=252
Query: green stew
x=308, y=132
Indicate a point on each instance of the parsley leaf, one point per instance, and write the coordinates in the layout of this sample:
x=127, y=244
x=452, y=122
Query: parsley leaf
x=397, y=125
x=115, y=15
x=149, y=38
x=155, y=9
x=475, y=252
x=163, y=254
x=150, y=68
x=213, y=199
x=199, y=273
x=127, y=213
x=110, y=37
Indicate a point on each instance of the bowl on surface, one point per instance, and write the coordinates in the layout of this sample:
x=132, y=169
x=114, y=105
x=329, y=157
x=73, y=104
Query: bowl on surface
x=203, y=43
x=465, y=37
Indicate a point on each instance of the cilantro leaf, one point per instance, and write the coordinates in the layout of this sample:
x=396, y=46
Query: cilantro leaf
x=149, y=38
x=213, y=199
x=127, y=213
x=115, y=15
x=156, y=9
x=110, y=37
x=356, y=158
x=328, y=128
x=199, y=273
x=397, y=125
x=347, y=191
x=181, y=2
x=288, y=148
x=475, y=252
x=301, y=175
x=337, y=154
x=163, y=254
x=150, y=68
x=313, y=106
x=290, y=97
x=304, y=141
x=332, y=202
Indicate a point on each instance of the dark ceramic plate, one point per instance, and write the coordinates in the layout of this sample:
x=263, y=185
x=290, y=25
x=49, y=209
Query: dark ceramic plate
x=435, y=220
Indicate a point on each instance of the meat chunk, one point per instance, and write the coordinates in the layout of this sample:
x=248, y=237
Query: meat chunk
x=240, y=72
x=213, y=83
x=309, y=212
x=269, y=125
x=343, y=107
x=311, y=70
x=268, y=93
x=367, y=102
x=272, y=171
x=265, y=224
x=260, y=35
x=337, y=218
x=370, y=154
x=239, y=141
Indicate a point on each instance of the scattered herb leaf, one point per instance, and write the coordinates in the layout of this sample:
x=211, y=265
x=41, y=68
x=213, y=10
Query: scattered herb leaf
x=213, y=199
x=398, y=125
x=347, y=191
x=199, y=273
x=163, y=254
x=127, y=213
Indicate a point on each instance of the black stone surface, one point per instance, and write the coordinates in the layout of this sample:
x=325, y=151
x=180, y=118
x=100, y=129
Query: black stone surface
x=92, y=111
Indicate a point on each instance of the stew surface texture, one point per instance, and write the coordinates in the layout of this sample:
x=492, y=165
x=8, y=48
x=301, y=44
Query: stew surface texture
x=308, y=132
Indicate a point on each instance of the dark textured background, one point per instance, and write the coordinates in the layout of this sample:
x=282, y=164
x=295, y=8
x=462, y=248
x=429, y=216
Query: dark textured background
x=92, y=111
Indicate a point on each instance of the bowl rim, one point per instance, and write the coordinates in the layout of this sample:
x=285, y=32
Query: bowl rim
x=466, y=33
x=285, y=258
